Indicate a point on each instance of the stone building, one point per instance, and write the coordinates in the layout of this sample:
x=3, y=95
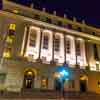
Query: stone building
x=33, y=44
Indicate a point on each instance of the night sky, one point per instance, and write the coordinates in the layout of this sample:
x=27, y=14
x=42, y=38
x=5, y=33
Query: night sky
x=81, y=9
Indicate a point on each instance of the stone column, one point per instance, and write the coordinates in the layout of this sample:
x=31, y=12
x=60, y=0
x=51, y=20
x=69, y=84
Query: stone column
x=41, y=34
x=65, y=48
x=26, y=40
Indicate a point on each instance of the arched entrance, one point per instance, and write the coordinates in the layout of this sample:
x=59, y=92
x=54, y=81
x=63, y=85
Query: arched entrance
x=57, y=84
x=83, y=83
x=29, y=77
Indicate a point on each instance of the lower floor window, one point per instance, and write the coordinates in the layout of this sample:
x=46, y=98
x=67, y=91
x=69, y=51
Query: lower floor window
x=44, y=83
x=2, y=78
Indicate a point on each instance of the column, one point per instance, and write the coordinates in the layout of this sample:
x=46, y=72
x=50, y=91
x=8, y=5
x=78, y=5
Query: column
x=64, y=48
x=41, y=34
x=26, y=36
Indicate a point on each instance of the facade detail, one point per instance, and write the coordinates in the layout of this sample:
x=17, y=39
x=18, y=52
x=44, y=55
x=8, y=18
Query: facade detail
x=33, y=44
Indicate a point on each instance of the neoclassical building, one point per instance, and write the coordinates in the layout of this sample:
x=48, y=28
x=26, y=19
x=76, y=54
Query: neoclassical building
x=33, y=44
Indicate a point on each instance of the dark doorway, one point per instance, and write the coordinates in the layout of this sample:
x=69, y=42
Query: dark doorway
x=29, y=80
x=83, y=85
x=57, y=84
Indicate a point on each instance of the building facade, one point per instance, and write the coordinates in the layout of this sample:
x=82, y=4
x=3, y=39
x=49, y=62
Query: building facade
x=33, y=44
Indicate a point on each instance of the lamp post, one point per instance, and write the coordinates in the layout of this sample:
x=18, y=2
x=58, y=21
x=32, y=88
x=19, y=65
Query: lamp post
x=64, y=73
x=63, y=76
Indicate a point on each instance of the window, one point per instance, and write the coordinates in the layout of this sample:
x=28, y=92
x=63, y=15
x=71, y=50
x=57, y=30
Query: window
x=48, y=20
x=78, y=48
x=95, y=52
x=37, y=17
x=7, y=53
x=33, y=37
x=68, y=46
x=69, y=26
x=97, y=66
x=44, y=83
x=79, y=29
x=60, y=23
x=45, y=42
x=12, y=27
x=99, y=84
x=56, y=60
x=43, y=59
x=93, y=33
x=11, y=33
x=2, y=78
x=57, y=43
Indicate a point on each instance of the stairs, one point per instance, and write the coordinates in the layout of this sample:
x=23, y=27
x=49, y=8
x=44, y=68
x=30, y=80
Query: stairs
x=48, y=95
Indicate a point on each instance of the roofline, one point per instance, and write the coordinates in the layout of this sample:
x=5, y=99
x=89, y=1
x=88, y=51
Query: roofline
x=50, y=15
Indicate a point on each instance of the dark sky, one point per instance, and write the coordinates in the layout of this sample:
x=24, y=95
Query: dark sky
x=81, y=9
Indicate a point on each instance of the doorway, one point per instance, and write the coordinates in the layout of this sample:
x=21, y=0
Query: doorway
x=29, y=77
x=57, y=84
x=83, y=83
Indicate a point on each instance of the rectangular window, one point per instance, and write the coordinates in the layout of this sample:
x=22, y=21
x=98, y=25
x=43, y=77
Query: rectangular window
x=7, y=53
x=44, y=83
x=2, y=78
x=97, y=67
x=78, y=48
x=45, y=42
x=57, y=44
x=33, y=38
x=95, y=52
x=68, y=46
x=11, y=33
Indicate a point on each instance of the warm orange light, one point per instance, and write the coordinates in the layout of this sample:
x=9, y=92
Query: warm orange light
x=15, y=11
x=56, y=75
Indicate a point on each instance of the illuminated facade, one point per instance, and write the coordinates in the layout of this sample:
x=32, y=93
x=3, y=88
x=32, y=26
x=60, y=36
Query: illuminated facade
x=34, y=43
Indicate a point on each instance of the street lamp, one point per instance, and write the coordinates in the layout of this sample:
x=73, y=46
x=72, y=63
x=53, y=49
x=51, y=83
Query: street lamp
x=63, y=73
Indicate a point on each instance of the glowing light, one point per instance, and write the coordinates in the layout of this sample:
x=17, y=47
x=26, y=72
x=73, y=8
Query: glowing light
x=12, y=26
x=64, y=73
x=15, y=11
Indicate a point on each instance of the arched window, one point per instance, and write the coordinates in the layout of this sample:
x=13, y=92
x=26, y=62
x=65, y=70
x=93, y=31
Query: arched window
x=33, y=37
x=57, y=43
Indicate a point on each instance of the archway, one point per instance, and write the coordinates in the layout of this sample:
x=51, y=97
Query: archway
x=57, y=84
x=29, y=76
x=83, y=83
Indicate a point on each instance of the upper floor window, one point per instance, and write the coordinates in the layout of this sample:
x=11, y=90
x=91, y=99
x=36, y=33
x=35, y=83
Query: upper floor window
x=68, y=45
x=11, y=33
x=48, y=20
x=93, y=33
x=95, y=52
x=78, y=48
x=60, y=23
x=7, y=53
x=69, y=26
x=79, y=29
x=45, y=41
x=33, y=37
x=2, y=78
x=37, y=17
x=57, y=43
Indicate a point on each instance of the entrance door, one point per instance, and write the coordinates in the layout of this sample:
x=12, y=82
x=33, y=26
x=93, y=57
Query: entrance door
x=83, y=84
x=29, y=80
x=57, y=84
